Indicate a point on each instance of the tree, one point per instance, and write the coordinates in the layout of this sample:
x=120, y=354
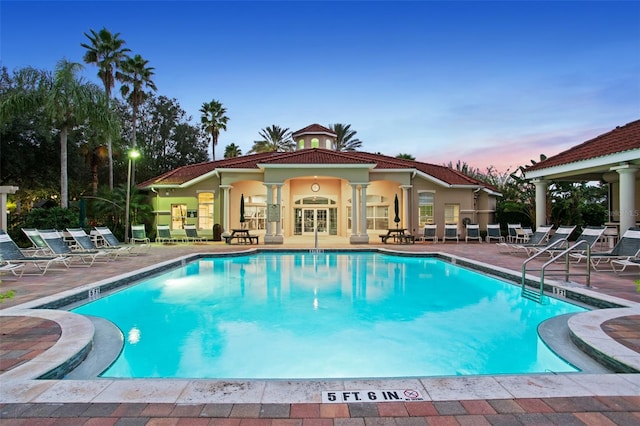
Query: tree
x=232, y=151
x=66, y=101
x=135, y=76
x=274, y=139
x=406, y=156
x=345, y=139
x=106, y=52
x=213, y=120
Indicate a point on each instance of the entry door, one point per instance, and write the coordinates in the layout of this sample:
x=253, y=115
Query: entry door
x=315, y=218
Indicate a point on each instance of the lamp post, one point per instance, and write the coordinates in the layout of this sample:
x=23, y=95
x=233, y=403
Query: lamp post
x=133, y=154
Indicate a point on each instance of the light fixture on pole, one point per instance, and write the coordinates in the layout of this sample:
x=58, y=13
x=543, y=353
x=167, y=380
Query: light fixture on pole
x=133, y=154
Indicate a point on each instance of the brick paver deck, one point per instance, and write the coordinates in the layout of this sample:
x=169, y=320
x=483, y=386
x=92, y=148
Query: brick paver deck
x=23, y=338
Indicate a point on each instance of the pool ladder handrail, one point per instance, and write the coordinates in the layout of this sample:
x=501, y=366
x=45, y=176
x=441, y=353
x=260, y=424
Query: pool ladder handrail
x=537, y=296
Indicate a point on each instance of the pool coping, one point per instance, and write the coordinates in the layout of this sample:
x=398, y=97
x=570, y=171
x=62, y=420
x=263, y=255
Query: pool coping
x=21, y=384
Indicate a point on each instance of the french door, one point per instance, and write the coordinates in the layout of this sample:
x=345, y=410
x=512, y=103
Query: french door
x=315, y=218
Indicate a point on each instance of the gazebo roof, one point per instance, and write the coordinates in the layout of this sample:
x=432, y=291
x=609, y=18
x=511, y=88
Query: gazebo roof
x=618, y=145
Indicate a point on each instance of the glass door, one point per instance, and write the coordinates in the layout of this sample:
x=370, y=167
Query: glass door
x=315, y=218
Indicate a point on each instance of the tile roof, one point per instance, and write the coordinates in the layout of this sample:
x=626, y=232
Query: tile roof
x=620, y=139
x=185, y=174
x=314, y=128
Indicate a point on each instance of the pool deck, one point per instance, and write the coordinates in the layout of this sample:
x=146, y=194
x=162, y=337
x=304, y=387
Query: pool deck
x=32, y=340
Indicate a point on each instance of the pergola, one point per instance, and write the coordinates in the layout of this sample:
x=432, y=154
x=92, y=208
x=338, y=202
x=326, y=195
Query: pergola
x=613, y=157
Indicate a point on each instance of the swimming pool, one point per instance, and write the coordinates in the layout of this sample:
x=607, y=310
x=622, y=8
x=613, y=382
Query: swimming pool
x=329, y=315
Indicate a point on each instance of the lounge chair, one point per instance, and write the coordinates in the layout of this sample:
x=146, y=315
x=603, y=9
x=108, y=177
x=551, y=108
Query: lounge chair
x=139, y=234
x=623, y=263
x=493, y=233
x=429, y=233
x=552, y=244
x=84, y=242
x=192, y=234
x=12, y=256
x=590, y=234
x=473, y=233
x=58, y=246
x=38, y=246
x=627, y=249
x=512, y=232
x=537, y=239
x=450, y=232
x=111, y=240
x=4, y=268
x=164, y=235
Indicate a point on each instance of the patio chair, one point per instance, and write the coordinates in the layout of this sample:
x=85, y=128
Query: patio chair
x=192, y=234
x=38, y=246
x=139, y=234
x=164, y=235
x=590, y=234
x=627, y=249
x=111, y=240
x=16, y=261
x=473, y=233
x=85, y=258
x=623, y=263
x=429, y=233
x=537, y=239
x=493, y=233
x=553, y=243
x=450, y=232
x=84, y=242
x=512, y=232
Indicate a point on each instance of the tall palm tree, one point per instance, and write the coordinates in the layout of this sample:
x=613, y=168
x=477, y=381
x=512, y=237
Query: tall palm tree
x=405, y=156
x=106, y=51
x=274, y=139
x=213, y=120
x=232, y=151
x=345, y=137
x=67, y=101
x=135, y=76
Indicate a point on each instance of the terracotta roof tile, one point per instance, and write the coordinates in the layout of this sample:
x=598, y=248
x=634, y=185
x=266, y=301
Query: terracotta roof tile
x=314, y=128
x=620, y=139
x=184, y=174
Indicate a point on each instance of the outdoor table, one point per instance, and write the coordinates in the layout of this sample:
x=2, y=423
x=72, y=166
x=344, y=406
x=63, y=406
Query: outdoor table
x=242, y=235
x=398, y=236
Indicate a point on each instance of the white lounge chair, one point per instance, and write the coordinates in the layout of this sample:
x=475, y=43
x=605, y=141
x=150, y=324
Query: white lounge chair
x=450, y=232
x=473, y=233
x=430, y=232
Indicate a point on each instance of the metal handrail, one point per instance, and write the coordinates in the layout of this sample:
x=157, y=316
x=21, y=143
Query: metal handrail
x=566, y=252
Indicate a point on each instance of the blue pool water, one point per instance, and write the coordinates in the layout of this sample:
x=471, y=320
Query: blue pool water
x=331, y=315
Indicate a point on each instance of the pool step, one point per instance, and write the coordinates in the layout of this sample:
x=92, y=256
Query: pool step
x=534, y=295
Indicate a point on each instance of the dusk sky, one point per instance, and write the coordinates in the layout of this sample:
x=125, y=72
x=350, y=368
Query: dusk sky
x=487, y=83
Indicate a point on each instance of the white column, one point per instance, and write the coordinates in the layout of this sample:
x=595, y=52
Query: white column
x=541, y=201
x=354, y=210
x=279, y=203
x=405, y=207
x=225, y=208
x=627, y=191
x=363, y=212
x=4, y=190
x=269, y=202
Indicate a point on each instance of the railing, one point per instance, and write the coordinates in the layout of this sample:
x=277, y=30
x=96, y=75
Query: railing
x=537, y=296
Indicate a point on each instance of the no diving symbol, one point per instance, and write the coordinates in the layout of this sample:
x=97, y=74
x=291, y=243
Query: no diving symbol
x=410, y=393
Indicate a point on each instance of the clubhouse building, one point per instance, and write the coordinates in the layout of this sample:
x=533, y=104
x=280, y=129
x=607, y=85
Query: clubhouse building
x=318, y=189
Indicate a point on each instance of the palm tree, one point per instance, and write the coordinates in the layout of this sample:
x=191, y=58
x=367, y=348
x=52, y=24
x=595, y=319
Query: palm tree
x=213, y=120
x=232, y=151
x=106, y=52
x=135, y=76
x=67, y=101
x=344, y=138
x=274, y=139
x=406, y=156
